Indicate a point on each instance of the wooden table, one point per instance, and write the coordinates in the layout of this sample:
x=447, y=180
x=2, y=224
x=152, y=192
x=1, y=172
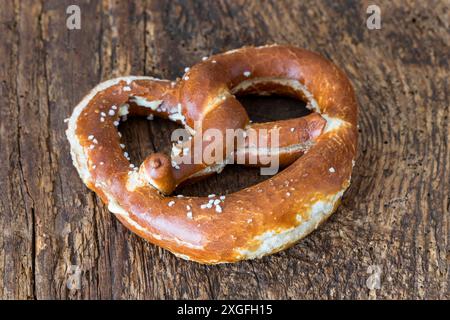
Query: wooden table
x=58, y=240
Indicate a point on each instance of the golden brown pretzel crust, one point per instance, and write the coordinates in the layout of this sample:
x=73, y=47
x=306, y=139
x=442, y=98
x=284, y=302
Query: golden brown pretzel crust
x=253, y=222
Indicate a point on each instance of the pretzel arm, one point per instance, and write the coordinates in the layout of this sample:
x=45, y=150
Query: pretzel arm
x=295, y=137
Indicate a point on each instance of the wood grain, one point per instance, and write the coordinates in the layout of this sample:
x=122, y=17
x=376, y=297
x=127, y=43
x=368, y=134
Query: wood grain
x=58, y=240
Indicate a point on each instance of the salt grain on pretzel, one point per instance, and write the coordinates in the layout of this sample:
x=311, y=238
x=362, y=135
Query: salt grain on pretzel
x=253, y=222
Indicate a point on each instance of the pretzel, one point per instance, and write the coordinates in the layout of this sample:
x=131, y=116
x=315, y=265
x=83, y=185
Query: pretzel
x=256, y=221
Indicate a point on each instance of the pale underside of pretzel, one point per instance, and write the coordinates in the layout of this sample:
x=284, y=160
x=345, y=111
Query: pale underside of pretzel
x=253, y=222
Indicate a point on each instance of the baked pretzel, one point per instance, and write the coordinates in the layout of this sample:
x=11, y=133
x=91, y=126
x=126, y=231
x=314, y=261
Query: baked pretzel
x=250, y=223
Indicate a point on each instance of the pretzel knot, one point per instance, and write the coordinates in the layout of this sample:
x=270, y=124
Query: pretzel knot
x=255, y=221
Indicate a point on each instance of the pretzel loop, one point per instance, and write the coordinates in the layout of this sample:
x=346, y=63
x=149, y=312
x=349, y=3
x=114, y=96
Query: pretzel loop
x=253, y=222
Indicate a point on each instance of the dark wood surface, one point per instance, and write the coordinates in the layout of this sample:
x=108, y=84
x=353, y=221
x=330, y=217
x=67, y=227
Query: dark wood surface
x=58, y=240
